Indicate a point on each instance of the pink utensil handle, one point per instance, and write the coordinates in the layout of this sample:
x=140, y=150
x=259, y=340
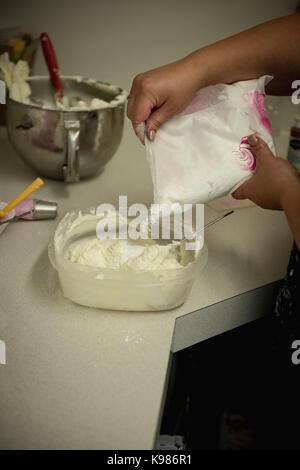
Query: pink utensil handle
x=52, y=63
x=41, y=209
x=25, y=206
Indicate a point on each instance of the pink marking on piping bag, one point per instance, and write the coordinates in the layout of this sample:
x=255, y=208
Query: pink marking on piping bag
x=245, y=155
x=200, y=101
x=256, y=101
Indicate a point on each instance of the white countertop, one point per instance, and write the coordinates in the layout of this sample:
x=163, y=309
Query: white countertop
x=81, y=378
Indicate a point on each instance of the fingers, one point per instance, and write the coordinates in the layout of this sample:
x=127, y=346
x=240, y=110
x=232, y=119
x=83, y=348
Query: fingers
x=260, y=148
x=237, y=194
x=157, y=118
x=138, y=111
x=146, y=104
x=138, y=107
x=242, y=192
x=263, y=155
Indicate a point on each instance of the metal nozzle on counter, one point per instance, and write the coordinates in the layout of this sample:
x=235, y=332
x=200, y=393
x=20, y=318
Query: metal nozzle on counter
x=44, y=210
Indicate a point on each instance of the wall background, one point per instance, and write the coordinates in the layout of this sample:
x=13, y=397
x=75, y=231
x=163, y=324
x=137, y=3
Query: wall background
x=114, y=40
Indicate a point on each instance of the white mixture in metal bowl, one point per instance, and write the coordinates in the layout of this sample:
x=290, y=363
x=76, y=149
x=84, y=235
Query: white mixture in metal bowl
x=16, y=77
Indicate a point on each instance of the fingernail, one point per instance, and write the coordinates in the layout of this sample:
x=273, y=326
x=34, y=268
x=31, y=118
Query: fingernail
x=140, y=131
x=152, y=135
x=252, y=139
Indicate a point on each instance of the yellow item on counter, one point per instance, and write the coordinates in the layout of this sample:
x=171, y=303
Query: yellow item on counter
x=36, y=184
x=18, y=46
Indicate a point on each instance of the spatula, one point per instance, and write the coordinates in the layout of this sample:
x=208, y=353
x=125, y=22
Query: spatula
x=52, y=64
x=193, y=235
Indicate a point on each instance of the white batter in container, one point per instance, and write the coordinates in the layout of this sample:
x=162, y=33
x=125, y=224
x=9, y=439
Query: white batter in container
x=120, y=274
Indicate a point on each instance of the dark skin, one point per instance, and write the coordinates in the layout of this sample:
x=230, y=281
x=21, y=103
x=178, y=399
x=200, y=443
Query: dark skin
x=269, y=48
x=275, y=185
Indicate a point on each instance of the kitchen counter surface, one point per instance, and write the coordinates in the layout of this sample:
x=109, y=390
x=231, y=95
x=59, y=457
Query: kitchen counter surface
x=81, y=378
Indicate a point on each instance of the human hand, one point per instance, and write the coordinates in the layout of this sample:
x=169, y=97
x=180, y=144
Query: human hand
x=275, y=180
x=159, y=94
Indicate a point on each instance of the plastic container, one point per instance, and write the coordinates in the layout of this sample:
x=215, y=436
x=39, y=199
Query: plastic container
x=115, y=289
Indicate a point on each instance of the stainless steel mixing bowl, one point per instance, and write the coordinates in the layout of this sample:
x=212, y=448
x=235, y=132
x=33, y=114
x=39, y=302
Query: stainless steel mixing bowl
x=66, y=145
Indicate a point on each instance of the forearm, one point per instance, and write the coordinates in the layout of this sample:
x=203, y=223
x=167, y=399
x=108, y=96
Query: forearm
x=269, y=48
x=291, y=207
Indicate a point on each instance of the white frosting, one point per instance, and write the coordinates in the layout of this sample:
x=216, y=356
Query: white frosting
x=124, y=254
x=16, y=78
x=113, y=253
x=77, y=104
x=119, y=274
